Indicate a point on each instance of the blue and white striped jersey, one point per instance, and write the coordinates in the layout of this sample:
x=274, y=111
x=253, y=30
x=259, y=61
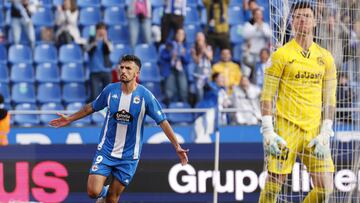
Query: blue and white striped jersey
x=122, y=132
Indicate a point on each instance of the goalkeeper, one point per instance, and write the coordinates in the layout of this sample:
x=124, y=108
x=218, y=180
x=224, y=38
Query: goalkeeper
x=304, y=77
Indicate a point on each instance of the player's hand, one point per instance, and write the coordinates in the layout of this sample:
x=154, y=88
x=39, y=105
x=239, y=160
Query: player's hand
x=182, y=153
x=273, y=143
x=63, y=120
x=322, y=141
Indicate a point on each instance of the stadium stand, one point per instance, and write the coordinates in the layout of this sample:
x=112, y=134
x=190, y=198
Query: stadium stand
x=89, y=16
x=72, y=72
x=47, y=72
x=110, y=3
x=26, y=120
x=22, y=72
x=180, y=118
x=5, y=91
x=75, y=107
x=20, y=54
x=87, y=3
x=70, y=53
x=23, y=93
x=45, y=118
x=115, y=15
x=150, y=72
x=4, y=73
x=147, y=52
x=3, y=54
x=119, y=34
x=43, y=17
x=118, y=51
x=48, y=92
x=45, y=53
x=74, y=92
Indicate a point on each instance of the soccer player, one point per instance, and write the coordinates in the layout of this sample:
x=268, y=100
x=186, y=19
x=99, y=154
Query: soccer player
x=121, y=139
x=304, y=77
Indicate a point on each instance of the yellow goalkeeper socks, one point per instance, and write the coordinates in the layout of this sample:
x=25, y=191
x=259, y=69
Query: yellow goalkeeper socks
x=317, y=195
x=270, y=192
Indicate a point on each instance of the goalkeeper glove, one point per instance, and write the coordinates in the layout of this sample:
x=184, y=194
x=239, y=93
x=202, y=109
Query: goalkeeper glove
x=322, y=141
x=272, y=141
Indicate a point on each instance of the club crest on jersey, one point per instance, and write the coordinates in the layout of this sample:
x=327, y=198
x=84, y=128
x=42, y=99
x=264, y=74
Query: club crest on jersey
x=123, y=117
x=320, y=61
x=136, y=100
x=95, y=167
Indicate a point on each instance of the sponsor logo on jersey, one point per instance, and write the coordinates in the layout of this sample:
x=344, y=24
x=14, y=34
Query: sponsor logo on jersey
x=136, y=100
x=123, y=117
x=308, y=75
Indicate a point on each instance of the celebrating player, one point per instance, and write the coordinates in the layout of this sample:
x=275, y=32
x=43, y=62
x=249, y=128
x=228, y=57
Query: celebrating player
x=121, y=139
x=304, y=77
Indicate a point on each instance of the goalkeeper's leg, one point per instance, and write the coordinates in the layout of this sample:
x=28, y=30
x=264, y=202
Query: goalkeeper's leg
x=323, y=187
x=272, y=188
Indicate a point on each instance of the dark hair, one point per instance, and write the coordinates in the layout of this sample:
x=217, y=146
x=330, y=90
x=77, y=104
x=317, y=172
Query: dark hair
x=100, y=25
x=302, y=4
x=266, y=50
x=214, y=76
x=133, y=58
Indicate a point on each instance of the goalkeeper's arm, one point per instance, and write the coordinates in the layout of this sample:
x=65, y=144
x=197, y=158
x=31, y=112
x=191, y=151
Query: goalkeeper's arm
x=322, y=141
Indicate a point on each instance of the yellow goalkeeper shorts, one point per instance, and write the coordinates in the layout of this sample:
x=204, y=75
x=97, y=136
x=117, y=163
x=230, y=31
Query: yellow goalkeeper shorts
x=297, y=141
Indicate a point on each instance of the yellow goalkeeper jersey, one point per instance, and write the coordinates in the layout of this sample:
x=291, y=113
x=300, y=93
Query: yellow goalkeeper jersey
x=305, y=82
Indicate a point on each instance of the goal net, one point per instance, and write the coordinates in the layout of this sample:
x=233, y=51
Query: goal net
x=338, y=31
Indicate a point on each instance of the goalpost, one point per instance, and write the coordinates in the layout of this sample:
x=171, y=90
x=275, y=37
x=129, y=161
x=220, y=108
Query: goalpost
x=338, y=31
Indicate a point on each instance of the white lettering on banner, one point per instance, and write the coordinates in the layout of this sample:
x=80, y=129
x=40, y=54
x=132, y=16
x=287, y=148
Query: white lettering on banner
x=345, y=180
x=74, y=138
x=32, y=138
x=195, y=181
x=189, y=179
x=229, y=184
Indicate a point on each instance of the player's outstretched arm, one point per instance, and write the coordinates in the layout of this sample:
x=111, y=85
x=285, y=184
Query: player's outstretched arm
x=182, y=153
x=64, y=120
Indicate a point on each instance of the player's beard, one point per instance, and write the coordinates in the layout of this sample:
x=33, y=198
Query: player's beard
x=126, y=80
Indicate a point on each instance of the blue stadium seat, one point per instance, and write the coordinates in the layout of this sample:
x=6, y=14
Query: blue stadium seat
x=98, y=117
x=5, y=91
x=193, y=3
x=192, y=16
x=154, y=88
x=147, y=52
x=2, y=19
x=88, y=31
x=118, y=51
x=237, y=53
x=236, y=15
x=46, y=3
x=235, y=3
x=49, y=92
x=4, y=73
x=45, y=53
x=150, y=72
x=180, y=118
x=109, y=3
x=115, y=15
x=236, y=34
x=20, y=54
x=89, y=16
x=22, y=72
x=43, y=17
x=23, y=93
x=58, y=2
x=72, y=72
x=3, y=54
x=47, y=72
x=46, y=118
x=26, y=120
x=75, y=107
x=88, y=3
x=191, y=31
x=70, y=53
x=203, y=17
x=157, y=3
x=157, y=15
x=119, y=34
x=74, y=92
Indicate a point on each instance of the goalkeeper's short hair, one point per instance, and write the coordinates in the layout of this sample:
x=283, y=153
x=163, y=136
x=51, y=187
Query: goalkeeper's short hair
x=302, y=4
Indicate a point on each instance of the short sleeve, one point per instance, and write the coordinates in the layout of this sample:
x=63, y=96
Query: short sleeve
x=153, y=108
x=101, y=101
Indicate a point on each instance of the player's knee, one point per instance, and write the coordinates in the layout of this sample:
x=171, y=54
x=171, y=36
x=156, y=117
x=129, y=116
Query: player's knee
x=93, y=192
